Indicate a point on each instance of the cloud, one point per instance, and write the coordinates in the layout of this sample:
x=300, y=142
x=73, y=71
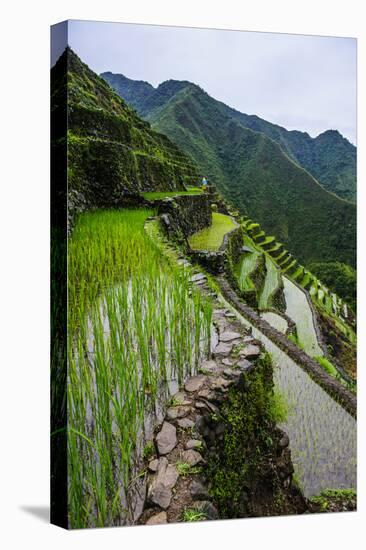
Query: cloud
x=301, y=82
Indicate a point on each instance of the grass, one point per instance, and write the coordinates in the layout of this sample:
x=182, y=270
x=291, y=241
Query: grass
x=211, y=238
x=134, y=323
x=191, y=514
x=158, y=195
x=325, y=499
x=184, y=469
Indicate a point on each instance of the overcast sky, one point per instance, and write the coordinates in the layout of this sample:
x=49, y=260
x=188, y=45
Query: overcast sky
x=301, y=82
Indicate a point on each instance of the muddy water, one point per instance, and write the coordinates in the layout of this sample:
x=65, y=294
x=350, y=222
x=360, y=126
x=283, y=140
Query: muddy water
x=322, y=434
x=275, y=321
x=298, y=309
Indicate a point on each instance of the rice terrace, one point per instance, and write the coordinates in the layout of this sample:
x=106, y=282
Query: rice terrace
x=205, y=365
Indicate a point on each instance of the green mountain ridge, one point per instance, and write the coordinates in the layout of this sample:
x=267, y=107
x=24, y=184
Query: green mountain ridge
x=329, y=158
x=259, y=178
x=111, y=151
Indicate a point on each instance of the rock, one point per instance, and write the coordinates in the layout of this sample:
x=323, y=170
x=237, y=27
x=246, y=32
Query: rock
x=206, y=394
x=185, y=423
x=166, y=438
x=223, y=348
x=200, y=423
x=231, y=373
x=227, y=362
x=245, y=365
x=211, y=407
x=251, y=351
x=181, y=399
x=160, y=489
x=200, y=405
x=191, y=457
x=157, y=519
x=209, y=366
x=248, y=339
x=198, y=277
x=198, y=491
x=193, y=444
x=284, y=441
x=228, y=336
x=207, y=508
x=220, y=383
x=203, y=393
x=230, y=315
x=220, y=429
x=195, y=383
x=177, y=412
x=153, y=465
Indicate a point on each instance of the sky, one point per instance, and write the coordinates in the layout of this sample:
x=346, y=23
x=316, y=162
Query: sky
x=305, y=83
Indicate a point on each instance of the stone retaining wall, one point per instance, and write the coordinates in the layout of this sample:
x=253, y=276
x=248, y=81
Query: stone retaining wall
x=222, y=260
x=184, y=215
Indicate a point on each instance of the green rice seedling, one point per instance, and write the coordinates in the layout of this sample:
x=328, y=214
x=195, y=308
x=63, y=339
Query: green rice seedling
x=133, y=321
x=211, y=238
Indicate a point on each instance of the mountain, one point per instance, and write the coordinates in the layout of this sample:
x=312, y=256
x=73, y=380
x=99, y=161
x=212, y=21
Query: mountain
x=256, y=175
x=111, y=151
x=329, y=158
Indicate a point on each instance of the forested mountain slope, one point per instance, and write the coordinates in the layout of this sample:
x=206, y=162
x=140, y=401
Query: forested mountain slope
x=330, y=158
x=255, y=174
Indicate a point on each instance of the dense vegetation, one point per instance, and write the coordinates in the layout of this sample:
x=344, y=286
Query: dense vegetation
x=254, y=173
x=238, y=470
x=329, y=157
x=134, y=322
x=341, y=278
x=111, y=150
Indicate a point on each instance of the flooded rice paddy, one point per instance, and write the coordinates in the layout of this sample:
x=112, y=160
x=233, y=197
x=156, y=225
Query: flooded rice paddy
x=322, y=434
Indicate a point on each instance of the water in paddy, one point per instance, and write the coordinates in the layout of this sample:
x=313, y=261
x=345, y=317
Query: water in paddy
x=270, y=284
x=298, y=309
x=322, y=434
x=275, y=320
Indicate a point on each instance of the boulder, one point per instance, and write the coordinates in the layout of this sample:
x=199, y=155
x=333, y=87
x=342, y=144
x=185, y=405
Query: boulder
x=153, y=465
x=228, y=336
x=181, y=399
x=284, y=441
x=157, y=519
x=198, y=491
x=177, y=412
x=223, y=348
x=220, y=383
x=209, y=366
x=207, y=508
x=193, y=444
x=160, y=488
x=167, y=438
x=195, y=383
x=251, y=351
x=185, y=423
x=191, y=457
x=245, y=365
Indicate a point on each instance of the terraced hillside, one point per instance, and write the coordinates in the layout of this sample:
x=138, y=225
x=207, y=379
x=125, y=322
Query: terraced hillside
x=255, y=174
x=111, y=151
